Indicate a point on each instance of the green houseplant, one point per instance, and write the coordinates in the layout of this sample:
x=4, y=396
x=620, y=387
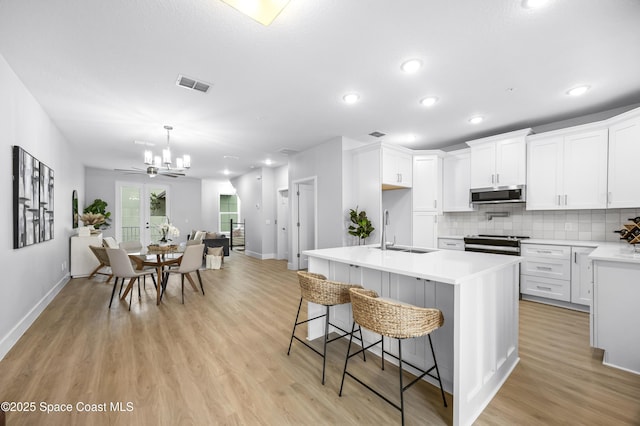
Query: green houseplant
x=361, y=225
x=97, y=213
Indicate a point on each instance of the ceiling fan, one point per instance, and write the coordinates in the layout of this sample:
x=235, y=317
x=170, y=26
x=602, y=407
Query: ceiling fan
x=157, y=165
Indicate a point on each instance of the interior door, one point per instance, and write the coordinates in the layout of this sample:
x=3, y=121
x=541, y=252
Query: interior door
x=141, y=209
x=306, y=221
x=283, y=224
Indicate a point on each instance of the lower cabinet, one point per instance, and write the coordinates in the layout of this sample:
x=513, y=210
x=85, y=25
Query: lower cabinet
x=83, y=261
x=581, y=275
x=451, y=244
x=556, y=272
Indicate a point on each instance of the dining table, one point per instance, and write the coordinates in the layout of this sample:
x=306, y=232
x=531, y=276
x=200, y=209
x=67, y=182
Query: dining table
x=158, y=257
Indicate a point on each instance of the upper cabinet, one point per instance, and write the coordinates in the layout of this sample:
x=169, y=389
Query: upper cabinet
x=624, y=140
x=456, y=181
x=499, y=160
x=427, y=182
x=396, y=168
x=567, y=169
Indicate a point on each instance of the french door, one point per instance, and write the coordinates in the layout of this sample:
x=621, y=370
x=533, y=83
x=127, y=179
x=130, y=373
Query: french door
x=141, y=208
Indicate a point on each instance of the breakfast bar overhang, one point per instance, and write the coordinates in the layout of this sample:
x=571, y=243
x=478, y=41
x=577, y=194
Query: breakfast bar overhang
x=477, y=347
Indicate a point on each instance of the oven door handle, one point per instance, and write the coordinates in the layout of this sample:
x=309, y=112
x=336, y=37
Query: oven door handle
x=471, y=247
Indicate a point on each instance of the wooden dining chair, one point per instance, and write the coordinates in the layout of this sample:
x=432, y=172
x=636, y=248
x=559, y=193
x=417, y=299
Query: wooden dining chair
x=191, y=261
x=122, y=268
x=101, y=254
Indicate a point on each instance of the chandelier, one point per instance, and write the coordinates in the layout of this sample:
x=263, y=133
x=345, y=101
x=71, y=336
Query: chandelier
x=156, y=162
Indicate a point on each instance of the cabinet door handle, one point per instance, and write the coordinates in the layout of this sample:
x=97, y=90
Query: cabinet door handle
x=544, y=268
x=497, y=177
x=492, y=179
x=544, y=288
x=575, y=257
x=558, y=199
x=565, y=199
x=544, y=251
x=435, y=204
x=450, y=244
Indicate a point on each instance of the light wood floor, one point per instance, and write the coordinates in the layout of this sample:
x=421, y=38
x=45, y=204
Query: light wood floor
x=221, y=359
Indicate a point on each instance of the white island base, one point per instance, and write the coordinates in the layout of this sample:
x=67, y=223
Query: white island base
x=477, y=347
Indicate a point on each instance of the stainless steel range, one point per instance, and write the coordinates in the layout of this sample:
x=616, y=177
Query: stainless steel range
x=496, y=244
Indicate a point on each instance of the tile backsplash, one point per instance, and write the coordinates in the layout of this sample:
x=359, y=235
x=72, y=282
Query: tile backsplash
x=581, y=225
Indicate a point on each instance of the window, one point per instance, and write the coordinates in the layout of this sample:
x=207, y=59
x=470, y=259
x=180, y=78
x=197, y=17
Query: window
x=229, y=209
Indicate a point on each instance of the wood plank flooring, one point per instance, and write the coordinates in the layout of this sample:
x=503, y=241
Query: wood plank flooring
x=221, y=359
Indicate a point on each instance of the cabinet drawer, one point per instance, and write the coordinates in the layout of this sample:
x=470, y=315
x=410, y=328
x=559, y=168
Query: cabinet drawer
x=546, y=287
x=546, y=251
x=549, y=268
x=450, y=244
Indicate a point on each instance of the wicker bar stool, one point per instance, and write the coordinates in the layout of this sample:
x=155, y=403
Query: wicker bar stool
x=396, y=320
x=317, y=289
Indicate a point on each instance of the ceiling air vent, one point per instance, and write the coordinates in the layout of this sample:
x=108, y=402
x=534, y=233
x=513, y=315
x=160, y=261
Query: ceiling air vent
x=287, y=151
x=193, y=84
x=377, y=134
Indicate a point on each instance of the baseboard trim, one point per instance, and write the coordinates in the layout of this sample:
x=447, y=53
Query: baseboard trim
x=23, y=325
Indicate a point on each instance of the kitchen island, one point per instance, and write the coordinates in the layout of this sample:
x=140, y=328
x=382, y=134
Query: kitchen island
x=476, y=348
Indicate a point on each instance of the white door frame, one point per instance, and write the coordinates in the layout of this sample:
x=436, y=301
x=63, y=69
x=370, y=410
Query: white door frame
x=293, y=208
x=145, y=233
x=282, y=224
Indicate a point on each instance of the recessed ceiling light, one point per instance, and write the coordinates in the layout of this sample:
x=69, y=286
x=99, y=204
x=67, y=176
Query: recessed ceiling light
x=428, y=101
x=268, y=162
x=577, y=91
x=263, y=11
x=226, y=172
x=410, y=66
x=476, y=119
x=412, y=138
x=351, y=98
x=533, y=4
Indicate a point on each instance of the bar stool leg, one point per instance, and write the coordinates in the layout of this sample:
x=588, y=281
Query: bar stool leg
x=382, y=338
x=326, y=335
x=346, y=361
x=437, y=371
x=364, y=356
x=401, y=387
x=295, y=323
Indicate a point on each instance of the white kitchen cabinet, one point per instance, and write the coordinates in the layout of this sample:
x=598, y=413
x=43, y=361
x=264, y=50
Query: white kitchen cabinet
x=396, y=168
x=567, y=169
x=499, y=160
x=451, y=244
x=581, y=275
x=456, y=181
x=624, y=139
x=83, y=261
x=427, y=183
x=546, y=271
x=425, y=229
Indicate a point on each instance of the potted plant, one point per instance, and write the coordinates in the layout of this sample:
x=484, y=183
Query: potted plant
x=361, y=225
x=96, y=214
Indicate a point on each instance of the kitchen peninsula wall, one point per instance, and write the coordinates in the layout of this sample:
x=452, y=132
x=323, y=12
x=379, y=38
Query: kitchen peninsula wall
x=578, y=225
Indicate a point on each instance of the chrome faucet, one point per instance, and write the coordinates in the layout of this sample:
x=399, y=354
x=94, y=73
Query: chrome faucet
x=383, y=238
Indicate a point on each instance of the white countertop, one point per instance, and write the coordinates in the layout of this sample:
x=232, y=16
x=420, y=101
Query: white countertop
x=447, y=266
x=616, y=252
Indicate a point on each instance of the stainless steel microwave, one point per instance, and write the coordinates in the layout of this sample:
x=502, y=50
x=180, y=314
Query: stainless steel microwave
x=498, y=194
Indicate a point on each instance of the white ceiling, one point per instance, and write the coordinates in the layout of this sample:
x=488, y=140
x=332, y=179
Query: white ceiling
x=105, y=72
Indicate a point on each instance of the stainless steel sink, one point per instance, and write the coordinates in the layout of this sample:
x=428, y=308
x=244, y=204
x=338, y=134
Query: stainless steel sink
x=407, y=249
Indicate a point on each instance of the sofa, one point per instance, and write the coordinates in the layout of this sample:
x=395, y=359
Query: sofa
x=211, y=239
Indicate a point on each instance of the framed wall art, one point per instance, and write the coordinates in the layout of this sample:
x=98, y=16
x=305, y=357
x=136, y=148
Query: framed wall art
x=33, y=184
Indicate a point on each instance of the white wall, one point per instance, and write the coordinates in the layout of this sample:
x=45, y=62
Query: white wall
x=324, y=162
x=185, y=193
x=249, y=190
x=210, y=199
x=25, y=290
